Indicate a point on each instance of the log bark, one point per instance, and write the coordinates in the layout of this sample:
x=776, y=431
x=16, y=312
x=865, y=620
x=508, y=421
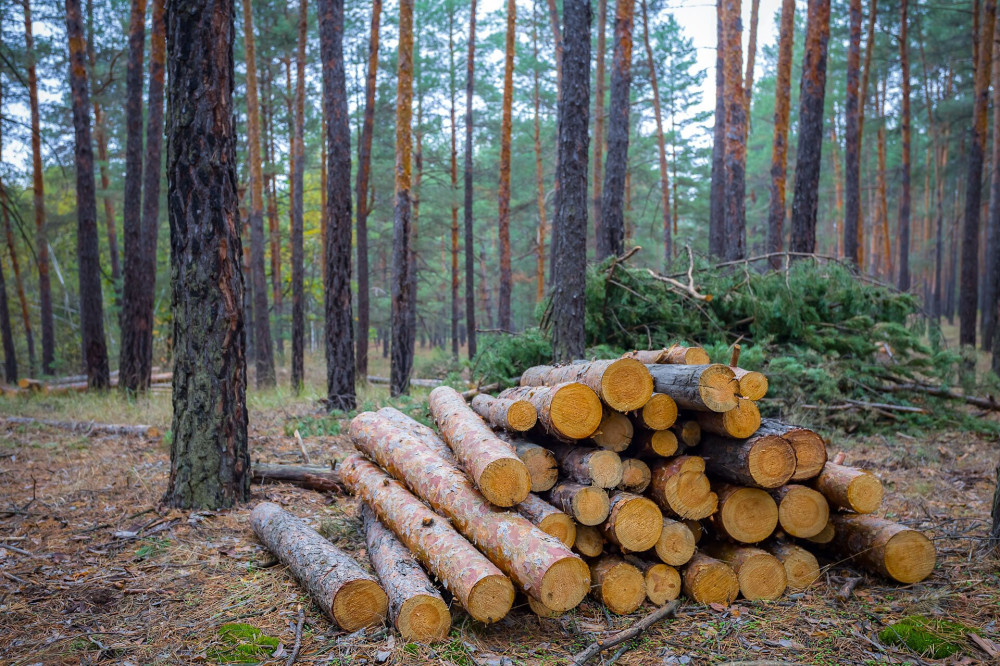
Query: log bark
x=676, y=544
x=652, y=444
x=636, y=476
x=311, y=477
x=426, y=434
x=634, y=522
x=747, y=515
x=415, y=606
x=589, y=541
x=740, y=422
x=707, y=580
x=617, y=584
x=567, y=411
x=538, y=563
x=850, y=488
x=672, y=355
x=703, y=388
x=543, y=469
x=89, y=427
x=515, y=415
x=809, y=447
x=296, y=208
x=548, y=519
x=588, y=505
x=681, y=488
x=761, y=575
x=588, y=465
x=338, y=585
x=802, y=511
x=753, y=384
x=478, y=585
x=615, y=431
x=663, y=582
x=659, y=412
x=801, y=566
x=491, y=462
x=764, y=461
x=623, y=384
x=884, y=547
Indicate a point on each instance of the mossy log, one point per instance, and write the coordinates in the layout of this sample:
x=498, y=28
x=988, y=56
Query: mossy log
x=543, y=469
x=739, y=422
x=652, y=444
x=850, y=488
x=703, y=388
x=707, y=580
x=538, y=563
x=615, y=432
x=636, y=476
x=491, y=462
x=801, y=566
x=764, y=461
x=589, y=541
x=761, y=575
x=672, y=355
x=663, y=582
x=809, y=447
x=548, y=519
x=884, y=547
x=415, y=606
x=747, y=515
x=802, y=511
x=617, y=584
x=567, y=411
x=680, y=487
x=478, y=585
x=688, y=432
x=659, y=412
x=346, y=592
x=634, y=522
x=753, y=384
x=623, y=384
x=513, y=415
x=588, y=465
x=589, y=505
x=676, y=544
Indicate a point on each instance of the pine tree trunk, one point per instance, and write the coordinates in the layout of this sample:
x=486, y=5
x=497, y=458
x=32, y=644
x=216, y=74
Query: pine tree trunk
x=734, y=245
x=811, y=93
x=539, y=174
x=273, y=225
x=882, y=198
x=991, y=270
x=599, y=132
x=668, y=242
x=418, y=174
x=10, y=360
x=470, y=250
x=837, y=242
x=454, y=188
x=717, y=204
x=298, y=178
x=19, y=283
x=209, y=460
x=95, y=351
x=503, y=215
x=570, y=246
x=904, y=197
x=38, y=189
x=779, y=147
x=852, y=153
x=751, y=59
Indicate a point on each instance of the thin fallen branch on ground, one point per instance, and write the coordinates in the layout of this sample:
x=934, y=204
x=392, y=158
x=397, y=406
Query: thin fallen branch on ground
x=89, y=427
x=311, y=477
x=688, y=288
x=877, y=406
x=642, y=625
x=426, y=383
x=302, y=447
x=988, y=403
x=298, y=638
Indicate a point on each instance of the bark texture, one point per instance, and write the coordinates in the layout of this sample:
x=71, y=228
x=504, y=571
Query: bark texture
x=470, y=250
x=503, y=204
x=661, y=146
x=763, y=461
x=548, y=519
x=735, y=154
x=850, y=488
x=904, y=120
x=624, y=384
x=589, y=505
x=712, y=388
x=600, y=89
x=884, y=547
x=298, y=177
x=541, y=463
x=515, y=415
x=852, y=154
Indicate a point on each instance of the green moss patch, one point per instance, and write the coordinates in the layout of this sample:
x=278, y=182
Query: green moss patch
x=244, y=644
x=930, y=637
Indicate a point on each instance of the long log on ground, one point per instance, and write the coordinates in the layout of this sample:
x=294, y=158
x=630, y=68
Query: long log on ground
x=513, y=415
x=89, y=427
x=753, y=384
x=543, y=469
x=491, y=462
x=707, y=580
x=615, y=432
x=478, y=585
x=425, y=433
x=636, y=476
x=764, y=461
x=703, y=388
x=809, y=447
x=538, y=563
x=642, y=625
x=802, y=511
x=312, y=477
x=588, y=465
x=617, y=584
x=747, y=515
x=801, y=566
x=761, y=575
x=568, y=411
x=548, y=519
x=338, y=585
x=423, y=383
x=884, y=547
x=623, y=384
x=415, y=606
x=663, y=582
x=589, y=505
x=634, y=522
x=676, y=544
x=680, y=487
x=850, y=488
x=740, y=422
x=672, y=355
x=688, y=432
x=988, y=403
x=589, y=541
x=654, y=444
x=659, y=412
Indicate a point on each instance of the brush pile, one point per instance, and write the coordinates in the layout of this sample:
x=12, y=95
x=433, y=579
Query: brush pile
x=643, y=477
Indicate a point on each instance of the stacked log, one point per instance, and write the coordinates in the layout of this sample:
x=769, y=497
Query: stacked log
x=760, y=574
x=663, y=582
x=702, y=388
x=707, y=580
x=588, y=465
x=636, y=475
x=615, y=431
x=617, y=584
x=589, y=505
x=673, y=355
x=746, y=515
x=549, y=519
x=543, y=469
x=763, y=461
x=623, y=384
x=514, y=415
x=659, y=412
x=883, y=547
x=681, y=488
x=849, y=488
x=567, y=411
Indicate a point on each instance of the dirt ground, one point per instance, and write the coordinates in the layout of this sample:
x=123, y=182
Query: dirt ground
x=94, y=570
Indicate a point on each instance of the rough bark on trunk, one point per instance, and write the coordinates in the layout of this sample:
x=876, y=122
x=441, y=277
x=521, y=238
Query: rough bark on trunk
x=661, y=146
x=634, y=522
x=760, y=574
x=904, y=197
x=623, y=384
x=710, y=388
x=681, y=488
x=514, y=415
x=747, y=515
x=503, y=205
x=672, y=355
x=589, y=505
x=10, y=359
x=850, y=488
x=884, y=547
x=209, y=460
x=779, y=146
x=991, y=268
x=273, y=226
x=567, y=411
x=717, y=204
x=764, y=460
x=707, y=580
x=600, y=80
x=19, y=283
x=470, y=251
x=735, y=153
x=298, y=177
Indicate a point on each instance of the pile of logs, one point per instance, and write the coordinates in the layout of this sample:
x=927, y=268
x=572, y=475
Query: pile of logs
x=631, y=479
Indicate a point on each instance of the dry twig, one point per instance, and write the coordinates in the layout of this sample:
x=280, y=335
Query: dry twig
x=298, y=638
x=642, y=625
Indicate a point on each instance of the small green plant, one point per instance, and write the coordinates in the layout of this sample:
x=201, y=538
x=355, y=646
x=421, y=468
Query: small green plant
x=243, y=644
x=927, y=636
x=151, y=547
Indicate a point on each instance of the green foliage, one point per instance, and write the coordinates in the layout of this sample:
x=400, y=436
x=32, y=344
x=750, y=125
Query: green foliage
x=244, y=644
x=151, y=547
x=929, y=637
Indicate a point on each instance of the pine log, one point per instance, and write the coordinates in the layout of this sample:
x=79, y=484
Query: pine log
x=89, y=427
x=589, y=541
x=589, y=505
x=801, y=567
x=680, y=487
x=753, y=384
x=312, y=477
x=634, y=522
x=810, y=450
x=740, y=422
x=623, y=384
x=636, y=476
x=615, y=432
x=543, y=469
x=703, y=388
x=617, y=584
x=491, y=462
x=802, y=511
x=541, y=610
x=659, y=412
x=761, y=575
x=653, y=444
x=568, y=411
x=415, y=606
x=688, y=432
x=747, y=515
x=697, y=529
x=707, y=580
x=338, y=585
x=588, y=465
x=538, y=563
x=548, y=519
x=514, y=415
x=764, y=461
x=884, y=547
x=663, y=582
x=422, y=432
x=676, y=544
x=478, y=585
x=673, y=355
x=850, y=488
x=824, y=536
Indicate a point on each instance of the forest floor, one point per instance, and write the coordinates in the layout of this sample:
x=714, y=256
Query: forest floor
x=111, y=576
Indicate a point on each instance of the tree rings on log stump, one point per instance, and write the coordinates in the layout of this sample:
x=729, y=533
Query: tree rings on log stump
x=764, y=461
x=676, y=544
x=568, y=411
x=589, y=505
x=636, y=476
x=615, y=432
x=654, y=444
x=589, y=541
x=801, y=566
x=802, y=511
x=707, y=580
x=514, y=415
x=747, y=515
x=663, y=582
x=617, y=584
x=850, y=488
x=541, y=463
x=740, y=422
x=887, y=548
x=761, y=575
x=659, y=412
x=753, y=384
x=634, y=522
x=809, y=447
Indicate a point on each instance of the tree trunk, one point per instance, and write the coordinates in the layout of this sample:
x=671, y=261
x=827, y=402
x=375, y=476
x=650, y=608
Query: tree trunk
x=904, y=197
x=402, y=285
x=703, y=388
x=273, y=225
x=969, y=290
x=717, y=204
x=470, y=250
x=811, y=93
x=38, y=188
x=764, y=461
x=734, y=244
x=570, y=246
x=668, y=241
x=513, y=415
x=418, y=174
x=298, y=178
x=539, y=174
x=624, y=384
x=18, y=282
x=751, y=59
x=209, y=460
x=454, y=185
x=862, y=98
x=884, y=547
x=10, y=360
x=611, y=240
x=991, y=270
x=95, y=351
x=850, y=488
x=837, y=242
x=503, y=207
x=600, y=80
x=882, y=217
x=779, y=147
x=852, y=153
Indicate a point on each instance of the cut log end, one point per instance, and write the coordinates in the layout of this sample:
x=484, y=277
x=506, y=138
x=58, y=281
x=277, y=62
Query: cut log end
x=575, y=411
x=718, y=388
x=676, y=544
x=521, y=416
x=771, y=462
x=615, y=432
x=360, y=603
x=850, y=488
x=743, y=421
x=659, y=412
x=591, y=506
x=541, y=610
x=565, y=584
x=589, y=541
x=909, y=556
x=865, y=493
x=543, y=470
x=423, y=619
x=762, y=576
x=626, y=385
x=491, y=598
x=663, y=443
x=753, y=384
x=709, y=581
x=884, y=546
x=810, y=453
x=688, y=432
x=636, y=475
x=678, y=354
x=825, y=535
x=635, y=522
x=801, y=566
x=618, y=585
x=747, y=515
x=802, y=512
x=505, y=482
x=663, y=582
x=606, y=469
x=560, y=526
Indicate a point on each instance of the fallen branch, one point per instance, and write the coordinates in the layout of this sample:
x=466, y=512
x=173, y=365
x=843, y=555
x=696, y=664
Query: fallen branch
x=688, y=288
x=426, y=383
x=988, y=403
x=298, y=638
x=311, y=477
x=89, y=427
x=636, y=629
x=876, y=406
